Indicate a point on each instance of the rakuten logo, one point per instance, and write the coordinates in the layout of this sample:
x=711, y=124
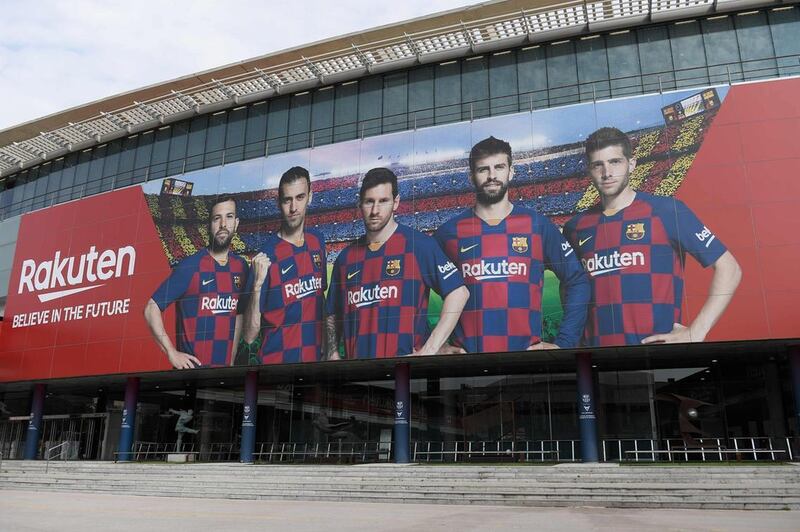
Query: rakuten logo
x=600, y=264
x=218, y=304
x=73, y=271
x=362, y=297
x=447, y=269
x=494, y=270
x=303, y=287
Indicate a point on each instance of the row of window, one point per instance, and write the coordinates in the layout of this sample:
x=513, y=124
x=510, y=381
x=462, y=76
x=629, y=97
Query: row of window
x=721, y=49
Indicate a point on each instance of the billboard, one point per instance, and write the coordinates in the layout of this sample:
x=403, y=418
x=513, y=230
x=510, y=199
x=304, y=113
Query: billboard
x=652, y=219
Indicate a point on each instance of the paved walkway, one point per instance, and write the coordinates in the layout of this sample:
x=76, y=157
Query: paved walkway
x=65, y=512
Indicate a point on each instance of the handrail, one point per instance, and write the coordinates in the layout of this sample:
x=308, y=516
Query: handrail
x=53, y=448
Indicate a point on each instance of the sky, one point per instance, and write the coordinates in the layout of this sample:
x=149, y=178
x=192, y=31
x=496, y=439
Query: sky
x=59, y=54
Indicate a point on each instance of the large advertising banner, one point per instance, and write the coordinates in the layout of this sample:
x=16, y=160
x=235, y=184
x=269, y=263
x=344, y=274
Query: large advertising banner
x=666, y=218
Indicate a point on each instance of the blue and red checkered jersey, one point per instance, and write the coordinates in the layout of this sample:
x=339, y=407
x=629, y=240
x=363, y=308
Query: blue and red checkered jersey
x=292, y=299
x=207, y=294
x=635, y=259
x=382, y=296
x=503, y=267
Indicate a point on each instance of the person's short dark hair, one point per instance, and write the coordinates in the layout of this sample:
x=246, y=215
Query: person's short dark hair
x=608, y=136
x=487, y=147
x=291, y=175
x=375, y=177
x=222, y=199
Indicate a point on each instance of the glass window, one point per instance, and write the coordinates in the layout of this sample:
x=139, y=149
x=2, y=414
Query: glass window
x=40, y=186
x=475, y=88
x=234, y=136
x=111, y=165
x=215, y=140
x=255, y=140
x=277, y=125
x=420, y=96
x=447, y=92
x=54, y=183
x=592, y=68
x=345, y=112
x=322, y=117
x=196, y=145
x=562, y=73
x=370, y=106
x=158, y=162
x=755, y=46
x=395, y=102
x=126, y=159
x=144, y=151
x=67, y=177
x=655, y=59
x=722, y=50
x=503, y=83
x=81, y=174
x=623, y=63
x=785, y=27
x=177, y=147
x=95, y=177
x=532, y=77
x=688, y=54
x=299, y=121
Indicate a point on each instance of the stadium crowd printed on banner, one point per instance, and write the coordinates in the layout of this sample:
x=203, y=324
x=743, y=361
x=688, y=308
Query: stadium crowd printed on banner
x=423, y=242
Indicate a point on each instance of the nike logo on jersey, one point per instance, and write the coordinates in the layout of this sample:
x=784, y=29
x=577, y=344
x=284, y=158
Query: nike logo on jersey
x=352, y=274
x=208, y=282
x=284, y=270
x=465, y=249
x=582, y=241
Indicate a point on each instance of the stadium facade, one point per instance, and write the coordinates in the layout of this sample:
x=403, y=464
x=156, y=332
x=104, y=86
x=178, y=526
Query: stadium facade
x=102, y=204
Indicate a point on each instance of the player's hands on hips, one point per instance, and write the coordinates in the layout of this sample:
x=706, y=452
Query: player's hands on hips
x=260, y=265
x=542, y=345
x=678, y=334
x=181, y=360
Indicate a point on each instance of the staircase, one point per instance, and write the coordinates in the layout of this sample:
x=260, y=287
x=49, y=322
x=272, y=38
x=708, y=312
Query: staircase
x=773, y=487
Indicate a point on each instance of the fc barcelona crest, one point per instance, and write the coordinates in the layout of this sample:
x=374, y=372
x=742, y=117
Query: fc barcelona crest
x=635, y=231
x=519, y=244
x=317, y=260
x=393, y=267
x=237, y=281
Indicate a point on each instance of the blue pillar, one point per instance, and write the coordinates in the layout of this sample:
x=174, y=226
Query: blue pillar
x=586, y=408
x=794, y=362
x=402, y=398
x=35, y=423
x=128, y=426
x=249, y=417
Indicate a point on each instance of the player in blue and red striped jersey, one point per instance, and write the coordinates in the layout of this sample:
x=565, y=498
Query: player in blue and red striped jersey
x=378, y=298
x=206, y=287
x=633, y=245
x=288, y=282
x=502, y=251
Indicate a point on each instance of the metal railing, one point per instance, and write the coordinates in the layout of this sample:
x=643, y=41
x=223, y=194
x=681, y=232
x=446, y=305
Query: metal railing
x=759, y=448
x=47, y=454
x=519, y=451
x=338, y=451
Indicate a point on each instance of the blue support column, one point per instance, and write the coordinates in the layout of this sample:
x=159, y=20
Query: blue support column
x=794, y=362
x=128, y=427
x=586, y=408
x=402, y=400
x=35, y=423
x=248, y=445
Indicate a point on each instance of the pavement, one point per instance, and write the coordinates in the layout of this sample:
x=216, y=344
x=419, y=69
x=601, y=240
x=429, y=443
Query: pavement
x=24, y=511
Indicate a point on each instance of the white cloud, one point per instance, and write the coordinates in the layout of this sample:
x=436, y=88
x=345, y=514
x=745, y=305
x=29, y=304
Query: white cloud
x=55, y=54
